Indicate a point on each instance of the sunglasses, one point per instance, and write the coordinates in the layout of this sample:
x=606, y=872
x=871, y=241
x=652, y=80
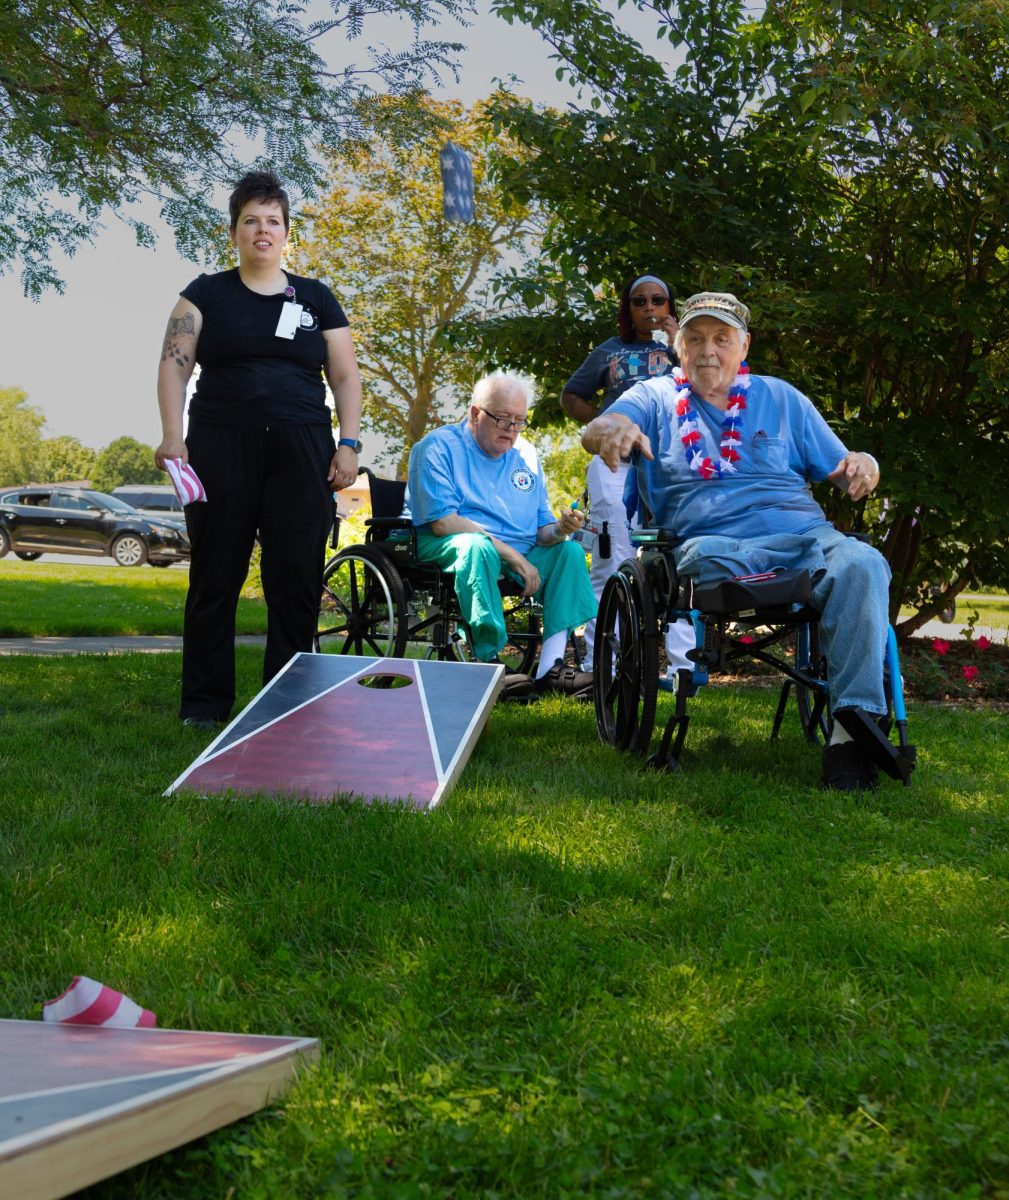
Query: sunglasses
x=655, y=301
x=505, y=423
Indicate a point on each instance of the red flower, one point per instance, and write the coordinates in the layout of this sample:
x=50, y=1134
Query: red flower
x=746, y=639
x=939, y=646
x=982, y=642
x=970, y=674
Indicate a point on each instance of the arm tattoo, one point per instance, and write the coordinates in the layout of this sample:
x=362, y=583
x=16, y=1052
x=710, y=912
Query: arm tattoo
x=171, y=348
x=183, y=324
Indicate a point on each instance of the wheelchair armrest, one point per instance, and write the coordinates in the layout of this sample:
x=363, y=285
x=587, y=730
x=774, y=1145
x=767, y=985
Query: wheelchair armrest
x=389, y=523
x=652, y=537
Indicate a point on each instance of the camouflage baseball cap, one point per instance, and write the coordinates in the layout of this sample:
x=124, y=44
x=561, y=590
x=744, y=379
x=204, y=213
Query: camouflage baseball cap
x=722, y=305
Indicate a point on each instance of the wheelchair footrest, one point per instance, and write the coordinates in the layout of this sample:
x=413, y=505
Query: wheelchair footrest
x=897, y=761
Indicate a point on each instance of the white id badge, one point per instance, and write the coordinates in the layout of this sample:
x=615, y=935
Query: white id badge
x=290, y=319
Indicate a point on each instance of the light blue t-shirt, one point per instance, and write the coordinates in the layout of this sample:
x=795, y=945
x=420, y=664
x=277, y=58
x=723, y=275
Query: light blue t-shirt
x=449, y=473
x=786, y=443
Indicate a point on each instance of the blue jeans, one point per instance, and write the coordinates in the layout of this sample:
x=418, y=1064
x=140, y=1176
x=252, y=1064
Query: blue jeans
x=850, y=590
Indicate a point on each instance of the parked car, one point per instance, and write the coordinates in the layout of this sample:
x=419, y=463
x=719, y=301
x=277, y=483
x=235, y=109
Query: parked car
x=155, y=500
x=65, y=520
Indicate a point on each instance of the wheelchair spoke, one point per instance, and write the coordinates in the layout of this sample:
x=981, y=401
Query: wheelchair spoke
x=363, y=605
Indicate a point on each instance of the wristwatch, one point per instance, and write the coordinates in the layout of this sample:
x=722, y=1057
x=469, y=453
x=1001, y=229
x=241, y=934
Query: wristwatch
x=352, y=443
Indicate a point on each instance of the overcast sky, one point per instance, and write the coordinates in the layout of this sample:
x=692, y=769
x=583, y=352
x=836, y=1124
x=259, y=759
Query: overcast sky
x=88, y=358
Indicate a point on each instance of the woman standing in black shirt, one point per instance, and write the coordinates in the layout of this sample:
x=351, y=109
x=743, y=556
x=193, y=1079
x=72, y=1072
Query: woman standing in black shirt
x=260, y=438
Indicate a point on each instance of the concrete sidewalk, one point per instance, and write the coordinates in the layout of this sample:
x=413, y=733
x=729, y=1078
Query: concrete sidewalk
x=107, y=645
x=161, y=643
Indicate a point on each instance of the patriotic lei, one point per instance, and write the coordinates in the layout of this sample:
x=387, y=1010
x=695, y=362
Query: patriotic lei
x=690, y=428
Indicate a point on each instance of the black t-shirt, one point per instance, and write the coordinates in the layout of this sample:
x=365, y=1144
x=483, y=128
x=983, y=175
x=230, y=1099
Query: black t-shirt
x=248, y=375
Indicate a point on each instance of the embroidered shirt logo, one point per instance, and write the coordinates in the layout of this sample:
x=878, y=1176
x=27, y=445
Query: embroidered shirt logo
x=522, y=479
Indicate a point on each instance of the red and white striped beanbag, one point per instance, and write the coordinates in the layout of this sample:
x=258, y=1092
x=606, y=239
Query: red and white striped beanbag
x=185, y=481
x=87, y=1002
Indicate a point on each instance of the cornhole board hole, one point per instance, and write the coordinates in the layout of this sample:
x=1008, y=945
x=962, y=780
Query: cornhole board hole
x=79, y=1103
x=392, y=729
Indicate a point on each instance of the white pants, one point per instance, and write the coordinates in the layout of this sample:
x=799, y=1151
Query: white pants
x=606, y=503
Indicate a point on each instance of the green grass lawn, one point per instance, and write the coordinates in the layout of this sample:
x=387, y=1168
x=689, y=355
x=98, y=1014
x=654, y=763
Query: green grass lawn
x=54, y=599
x=991, y=610
x=574, y=978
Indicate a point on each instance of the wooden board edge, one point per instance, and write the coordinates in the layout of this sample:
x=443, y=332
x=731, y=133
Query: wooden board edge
x=88, y=1152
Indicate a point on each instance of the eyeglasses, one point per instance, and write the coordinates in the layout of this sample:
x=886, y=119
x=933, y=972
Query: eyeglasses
x=505, y=423
x=654, y=301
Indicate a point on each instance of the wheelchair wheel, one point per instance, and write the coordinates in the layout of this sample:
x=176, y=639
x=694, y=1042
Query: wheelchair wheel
x=814, y=712
x=626, y=655
x=363, y=605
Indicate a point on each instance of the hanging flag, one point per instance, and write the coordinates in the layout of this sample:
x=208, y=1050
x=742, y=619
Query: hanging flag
x=457, y=183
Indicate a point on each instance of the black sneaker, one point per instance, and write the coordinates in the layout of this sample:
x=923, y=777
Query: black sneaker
x=561, y=678
x=846, y=769
x=517, y=686
x=201, y=723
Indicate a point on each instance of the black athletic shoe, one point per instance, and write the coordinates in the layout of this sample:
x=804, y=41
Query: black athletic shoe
x=201, y=723
x=846, y=769
x=517, y=686
x=561, y=678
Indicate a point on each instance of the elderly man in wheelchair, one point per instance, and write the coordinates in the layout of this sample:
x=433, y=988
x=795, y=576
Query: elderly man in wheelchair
x=725, y=461
x=480, y=510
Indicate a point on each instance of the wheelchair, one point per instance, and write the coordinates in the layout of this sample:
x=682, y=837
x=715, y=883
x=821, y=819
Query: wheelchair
x=766, y=618
x=379, y=599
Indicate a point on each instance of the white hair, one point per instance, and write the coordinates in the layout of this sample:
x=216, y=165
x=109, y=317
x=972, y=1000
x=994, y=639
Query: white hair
x=509, y=381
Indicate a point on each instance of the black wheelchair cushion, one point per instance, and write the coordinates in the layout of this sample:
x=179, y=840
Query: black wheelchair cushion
x=755, y=594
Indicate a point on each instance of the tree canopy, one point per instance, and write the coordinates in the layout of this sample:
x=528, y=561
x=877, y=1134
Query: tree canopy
x=20, y=426
x=125, y=460
x=106, y=102
x=405, y=274
x=65, y=458
x=842, y=166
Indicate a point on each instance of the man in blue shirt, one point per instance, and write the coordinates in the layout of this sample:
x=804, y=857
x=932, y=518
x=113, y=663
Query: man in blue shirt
x=725, y=460
x=480, y=507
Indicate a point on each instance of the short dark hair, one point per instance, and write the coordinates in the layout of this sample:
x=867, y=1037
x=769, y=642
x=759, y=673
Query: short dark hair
x=258, y=185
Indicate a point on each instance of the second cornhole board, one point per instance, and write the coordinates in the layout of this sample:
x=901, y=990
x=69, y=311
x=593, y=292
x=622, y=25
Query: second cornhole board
x=80, y=1103
x=322, y=728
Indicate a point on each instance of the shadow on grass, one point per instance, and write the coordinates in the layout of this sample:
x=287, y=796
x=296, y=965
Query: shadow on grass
x=575, y=975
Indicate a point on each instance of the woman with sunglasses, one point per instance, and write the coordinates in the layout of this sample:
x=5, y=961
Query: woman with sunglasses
x=610, y=369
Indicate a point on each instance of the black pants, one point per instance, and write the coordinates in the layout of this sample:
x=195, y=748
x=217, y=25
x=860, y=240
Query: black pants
x=272, y=481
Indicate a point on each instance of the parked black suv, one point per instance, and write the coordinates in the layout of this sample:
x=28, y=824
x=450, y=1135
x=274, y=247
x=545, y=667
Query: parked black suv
x=156, y=501
x=66, y=520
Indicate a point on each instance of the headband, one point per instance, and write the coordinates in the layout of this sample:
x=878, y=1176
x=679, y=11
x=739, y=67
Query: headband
x=648, y=279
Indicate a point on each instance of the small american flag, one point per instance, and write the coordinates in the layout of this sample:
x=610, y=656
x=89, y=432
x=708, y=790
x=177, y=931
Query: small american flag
x=457, y=184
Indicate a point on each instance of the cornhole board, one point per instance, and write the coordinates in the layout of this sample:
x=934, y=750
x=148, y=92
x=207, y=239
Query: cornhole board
x=79, y=1103
x=322, y=728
